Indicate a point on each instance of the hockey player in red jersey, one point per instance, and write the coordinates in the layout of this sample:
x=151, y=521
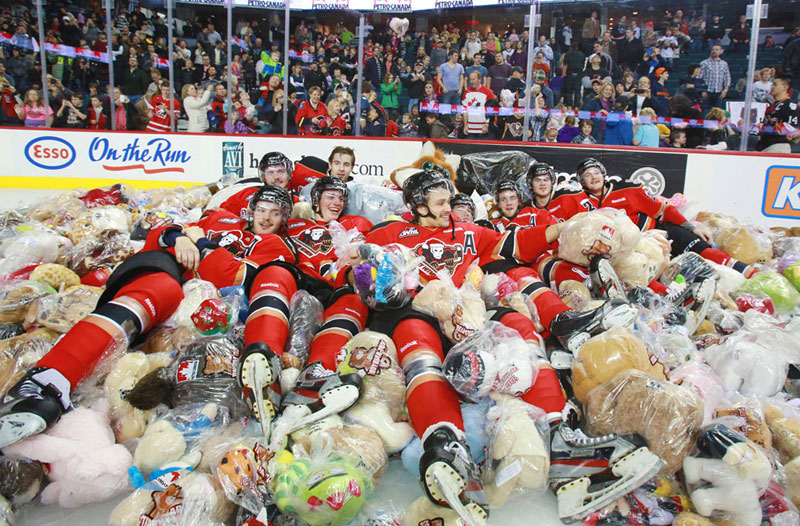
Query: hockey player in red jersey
x=643, y=210
x=273, y=169
x=143, y=292
x=319, y=391
x=446, y=467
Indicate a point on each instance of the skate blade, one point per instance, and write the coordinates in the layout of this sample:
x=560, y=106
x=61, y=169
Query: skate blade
x=576, y=502
x=335, y=401
x=619, y=316
x=15, y=427
x=444, y=483
x=609, y=281
x=263, y=413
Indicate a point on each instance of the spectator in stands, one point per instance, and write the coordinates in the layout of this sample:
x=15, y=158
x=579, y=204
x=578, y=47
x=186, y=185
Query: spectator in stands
x=96, y=119
x=134, y=80
x=715, y=73
x=668, y=45
x=791, y=57
x=714, y=32
x=451, y=79
x=436, y=130
x=414, y=82
x=630, y=51
x=681, y=107
x=572, y=69
x=390, y=88
x=477, y=65
x=646, y=132
x=516, y=84
x=717, y=137
x=602, y=104
x=591, y=31
x=740, y=36
x=195, y=107
x=217, y=115
x=429, y=96
x=693, y=85
x=642, y=97
x=69, y=115
x=762, y=88
x=585, y=135
x=539, y=64
x=8, y=115
x=312, y=116
x=33, y=112
x=660, y=93
x=546, y=51
x=569, y=131
x=540, y=79
x=520, y=56
x=17, y=66
x=474, y=103
x=677, y=138
x=619, y=128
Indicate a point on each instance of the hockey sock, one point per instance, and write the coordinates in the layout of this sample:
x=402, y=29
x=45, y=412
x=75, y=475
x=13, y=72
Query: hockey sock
x=546, y=392
x=658, y=287
x=268, y=316
x=548, y=304
x=343, y=320
x=523, y=325
x=140, y=305
x=718, y=256
x=430, y=399
x=555, y=271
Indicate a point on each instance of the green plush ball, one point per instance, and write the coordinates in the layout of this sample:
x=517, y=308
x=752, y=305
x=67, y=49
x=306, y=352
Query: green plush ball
x=783, y=294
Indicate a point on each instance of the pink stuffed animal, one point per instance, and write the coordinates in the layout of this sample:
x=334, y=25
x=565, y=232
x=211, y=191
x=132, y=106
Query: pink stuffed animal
x=85, y=463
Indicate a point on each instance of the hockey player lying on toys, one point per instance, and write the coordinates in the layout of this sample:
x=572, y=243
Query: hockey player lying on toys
x=515, y=212
x=146, y=289
x=447, y=470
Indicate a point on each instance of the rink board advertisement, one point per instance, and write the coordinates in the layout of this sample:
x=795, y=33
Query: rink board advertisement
x=760, y=189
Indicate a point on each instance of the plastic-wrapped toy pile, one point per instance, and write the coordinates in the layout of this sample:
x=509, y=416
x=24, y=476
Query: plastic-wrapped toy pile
x=711, y=392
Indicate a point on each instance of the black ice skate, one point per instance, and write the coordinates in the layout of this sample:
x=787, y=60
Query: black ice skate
x=318, y=394
x=588, y=473
x=573, y=328
x=258, y=368
x=697, y=289
x=33, y=404
x=605, y=281
x=648, y=299
x=450, y=477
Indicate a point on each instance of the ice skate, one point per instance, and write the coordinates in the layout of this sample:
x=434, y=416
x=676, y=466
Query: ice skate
x=33, y=405
x=648, y=299
x=589, y=473
x=258, y=368
x=572, y=328
x=450, y=477
x=605, y=281
x=321, y=393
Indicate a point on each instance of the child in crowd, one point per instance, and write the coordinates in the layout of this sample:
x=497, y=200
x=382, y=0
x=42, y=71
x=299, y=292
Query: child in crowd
x=569, y=131
x=585, y=135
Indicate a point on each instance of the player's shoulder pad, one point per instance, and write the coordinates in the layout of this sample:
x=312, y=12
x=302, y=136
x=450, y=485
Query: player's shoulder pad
x=565, y=192
x=386, y=223
x=623, y=185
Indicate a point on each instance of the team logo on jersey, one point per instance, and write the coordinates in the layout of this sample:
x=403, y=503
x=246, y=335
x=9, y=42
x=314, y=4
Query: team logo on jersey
x=438, y=256
x=408, y=232
x=231, y=240
x=313, y=241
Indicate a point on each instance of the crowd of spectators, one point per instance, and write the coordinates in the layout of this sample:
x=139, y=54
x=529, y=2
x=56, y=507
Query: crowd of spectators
x=588, y=85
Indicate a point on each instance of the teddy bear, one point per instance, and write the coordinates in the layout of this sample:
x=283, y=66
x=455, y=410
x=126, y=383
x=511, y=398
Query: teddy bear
x=431, y=158
x=85, y=463
x=57, y=276
x=29, y=246
x=701, y=379
x=21, y=480
x=606, y=232
x=66, y=206
x=745, y=417
x=648, y=260
x=667, y=416
x=127, y=421
x=747, y=244
x=423, y=512
x=784, y=423
x=92, y=222
x=733, y=358
x=16, y=298
x=517, y=456
x=167, y=339
x=20, y=353
x=575, y=295
x=60, y=312
x=362, y=444
x=460, y=311
x=792, y=471
x=187, y=498
x=776, y=286
x=381, y=405
x=728, y=475
x=607, y=354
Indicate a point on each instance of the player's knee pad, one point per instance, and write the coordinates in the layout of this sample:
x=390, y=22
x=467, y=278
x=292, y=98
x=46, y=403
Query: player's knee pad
x=422, y=364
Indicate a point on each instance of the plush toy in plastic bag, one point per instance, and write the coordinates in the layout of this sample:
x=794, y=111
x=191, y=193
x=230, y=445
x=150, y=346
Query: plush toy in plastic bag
x=701, y=379
x=606, y=232
x=203, y=371
x=92, y=223
x=381, y=405
x=386, y=277
x=325, y=489
x=648, y=260
x=374, y=203
x=345, y=245
x=20, y=353
x=783, y=294
x=517, y=441
x=746, y=417
x=305, y=319
x=655, y=503
x=607, y=354
x=215, y=316
x=666, y=415
x=460, y=311
x=242, y=469
x=60, y=312
x=494, y=359
x=499, y=290
x=21, y=480
x=31, y=246
x=727, y=475
x=195, y=292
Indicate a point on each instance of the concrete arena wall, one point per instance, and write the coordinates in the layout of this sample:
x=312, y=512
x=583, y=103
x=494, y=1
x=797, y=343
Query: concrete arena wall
x=757, y=188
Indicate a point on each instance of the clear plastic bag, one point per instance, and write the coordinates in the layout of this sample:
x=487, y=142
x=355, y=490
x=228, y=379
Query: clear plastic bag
x=305, y=319
x=648, y=260
x=783, y=294
x=701, y=378
x=460, y=311
x=60, y=312
x=217, y=315
x=518, y=456
x=783, y=420
x=666, y=415
x=607, y=354
x=106, y=250
x=323, y=489
x=792, y=273
x=745, y=416
x=656, y=503
x=195, y=291
x=386, y=277
x=39, y=245
x=21, y=480
x=91, y=223
x=607, y=232
x=481, y=171
x=16, y=296
x=727, y=475
x=345, y=245
x=374, y=203
x=494, y=359
x=242, y=469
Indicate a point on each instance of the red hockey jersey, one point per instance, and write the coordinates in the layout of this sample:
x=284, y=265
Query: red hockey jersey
x=314, y=245
x=642, y=209
x=458, y=246
x=239, y=254
x=528, y=216
x=159, y=122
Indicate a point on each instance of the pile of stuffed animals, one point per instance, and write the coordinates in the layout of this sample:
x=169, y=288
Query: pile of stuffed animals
x=163, y=423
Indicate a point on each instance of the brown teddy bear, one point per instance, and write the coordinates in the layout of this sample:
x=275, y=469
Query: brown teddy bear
x=748, y=420
x=607, y=354
x=648, y=260
x=60, y=312
x=745, y=244
x=460, y=311
x=16, y=298
x=20, y=353
x=785, y=429
x=601, y=232
x=666, y=415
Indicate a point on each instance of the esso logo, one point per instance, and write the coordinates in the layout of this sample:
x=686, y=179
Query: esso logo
x=50, y=153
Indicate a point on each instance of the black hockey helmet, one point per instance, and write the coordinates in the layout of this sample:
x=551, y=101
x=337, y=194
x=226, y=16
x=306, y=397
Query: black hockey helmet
x=463, y=199
x=539, y=169
x=587, y=163
x=328, y=183
x=417, y=186
x=273, y=194
x=507, y=184
x=274, y=159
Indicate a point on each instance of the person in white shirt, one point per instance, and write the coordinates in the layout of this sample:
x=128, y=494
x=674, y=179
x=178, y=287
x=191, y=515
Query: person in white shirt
x=762, y=87
x=545, y=49
x=669, y=46
x=473, y=44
